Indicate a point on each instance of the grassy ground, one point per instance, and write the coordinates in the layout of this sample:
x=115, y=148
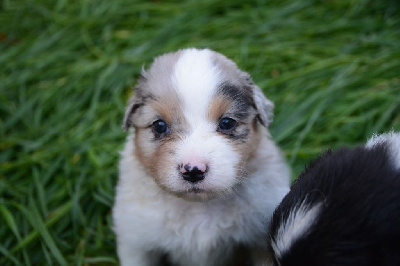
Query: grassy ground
x=67, y=68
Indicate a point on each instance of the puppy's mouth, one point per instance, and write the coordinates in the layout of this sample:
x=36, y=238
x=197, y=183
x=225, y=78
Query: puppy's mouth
x=196, y=194
x=196, y=190
x=203, y=190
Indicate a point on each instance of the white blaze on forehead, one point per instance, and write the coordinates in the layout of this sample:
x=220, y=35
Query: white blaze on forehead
x=297, y=224
x=392, y=141
x=195, y=79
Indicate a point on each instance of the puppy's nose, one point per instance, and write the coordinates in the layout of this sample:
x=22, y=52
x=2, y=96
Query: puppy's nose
x=193, y=172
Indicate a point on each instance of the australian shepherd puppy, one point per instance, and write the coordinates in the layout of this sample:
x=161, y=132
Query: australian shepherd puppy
x=199, y=175
x=344, y=209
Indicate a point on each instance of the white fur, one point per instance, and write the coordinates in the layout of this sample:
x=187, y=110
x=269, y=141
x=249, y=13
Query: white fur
x=194, y=79
x=393, y=140
x=148, y=219
x=296, y=225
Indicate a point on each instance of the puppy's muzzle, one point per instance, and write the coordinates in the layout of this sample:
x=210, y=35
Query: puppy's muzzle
x=193, y=171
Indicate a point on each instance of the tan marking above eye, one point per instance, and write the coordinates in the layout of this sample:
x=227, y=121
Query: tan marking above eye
x=168, y=108
x=218, y=107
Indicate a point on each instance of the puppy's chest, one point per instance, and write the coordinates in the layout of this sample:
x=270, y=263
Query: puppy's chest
x=198, y=221
x=204, y=226
x=207, y=235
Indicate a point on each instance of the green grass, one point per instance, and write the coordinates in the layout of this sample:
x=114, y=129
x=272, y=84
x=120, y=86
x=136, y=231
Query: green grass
x=67, y=68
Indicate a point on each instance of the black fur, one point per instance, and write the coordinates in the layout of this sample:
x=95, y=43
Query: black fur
x=359, y=223
x=241, y=96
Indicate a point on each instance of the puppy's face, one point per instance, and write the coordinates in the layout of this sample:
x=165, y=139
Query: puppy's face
x=197, y=119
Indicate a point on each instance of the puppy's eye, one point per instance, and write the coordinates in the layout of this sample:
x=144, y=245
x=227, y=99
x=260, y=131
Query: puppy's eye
x=160, y=127
x=227, y=124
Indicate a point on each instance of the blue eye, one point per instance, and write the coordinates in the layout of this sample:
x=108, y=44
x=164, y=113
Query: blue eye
x=227, y=124
x=160, y=127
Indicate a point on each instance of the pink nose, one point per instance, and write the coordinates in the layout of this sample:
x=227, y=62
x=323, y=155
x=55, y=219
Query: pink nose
x=193, y=171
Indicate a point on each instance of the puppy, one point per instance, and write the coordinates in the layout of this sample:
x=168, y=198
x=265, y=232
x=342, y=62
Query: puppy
x=344, y=209
x=199, y=175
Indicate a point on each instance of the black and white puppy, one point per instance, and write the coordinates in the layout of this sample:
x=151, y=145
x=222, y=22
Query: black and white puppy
x=344, y=209
x=200, y=175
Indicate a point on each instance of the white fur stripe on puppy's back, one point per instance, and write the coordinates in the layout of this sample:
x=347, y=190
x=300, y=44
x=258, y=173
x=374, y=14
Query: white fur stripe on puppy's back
x=392, y=141
x=296, y=225
x=195, y=79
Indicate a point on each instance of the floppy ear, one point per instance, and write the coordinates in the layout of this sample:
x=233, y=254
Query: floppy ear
x=264, y=106
x=135, y=102
x=133, y=105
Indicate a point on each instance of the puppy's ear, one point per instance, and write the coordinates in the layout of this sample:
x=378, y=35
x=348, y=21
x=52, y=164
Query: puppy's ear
x=133, y=105
x=264, y=106
x=135, y=102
